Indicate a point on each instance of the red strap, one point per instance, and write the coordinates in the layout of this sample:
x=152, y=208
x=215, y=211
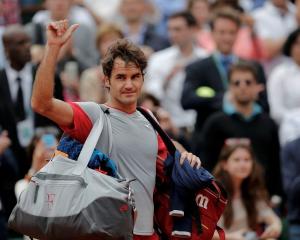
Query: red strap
x=217, y=188
x=221, y=233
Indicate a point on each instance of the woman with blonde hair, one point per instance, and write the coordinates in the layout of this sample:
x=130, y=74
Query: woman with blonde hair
x=247, y=210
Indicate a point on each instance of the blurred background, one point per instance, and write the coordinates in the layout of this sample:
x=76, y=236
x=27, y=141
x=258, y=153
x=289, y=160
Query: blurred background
x=220, y=73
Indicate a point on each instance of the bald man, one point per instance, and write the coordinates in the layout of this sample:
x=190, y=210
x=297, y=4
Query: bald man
x=16, y=80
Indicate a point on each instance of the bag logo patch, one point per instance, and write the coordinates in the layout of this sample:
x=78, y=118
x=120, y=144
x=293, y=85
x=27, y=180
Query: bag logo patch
x=202, y=201
x=50, y=200
x=124, y=208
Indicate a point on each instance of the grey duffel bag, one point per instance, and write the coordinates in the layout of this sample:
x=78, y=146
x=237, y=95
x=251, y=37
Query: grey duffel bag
x=67, y=200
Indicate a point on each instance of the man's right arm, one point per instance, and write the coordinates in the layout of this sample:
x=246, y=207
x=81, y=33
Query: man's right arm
x=42, y=101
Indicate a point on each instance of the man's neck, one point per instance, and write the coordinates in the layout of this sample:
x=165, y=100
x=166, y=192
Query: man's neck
x=224, y=53
x=282, y=8
x=134, y=26
x=17, y=66
x=127, y=108
x=237, y=188
x=58, y=18
x=297, y=62
x=245, y=110
x=187, y=49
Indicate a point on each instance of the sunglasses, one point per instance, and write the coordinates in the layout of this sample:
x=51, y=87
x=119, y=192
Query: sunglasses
x=238, y=83
x=237, y=141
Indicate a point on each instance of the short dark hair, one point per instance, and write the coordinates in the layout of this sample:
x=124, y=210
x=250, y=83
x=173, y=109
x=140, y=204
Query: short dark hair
x=225, y=13
x=243, y=66
x=187, y=16
x=191, y=3
x=125, y=50
x=290, y=41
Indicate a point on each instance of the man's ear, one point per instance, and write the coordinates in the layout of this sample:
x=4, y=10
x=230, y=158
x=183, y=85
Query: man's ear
x=260, y=87
x=6, y=46
x=106, y=82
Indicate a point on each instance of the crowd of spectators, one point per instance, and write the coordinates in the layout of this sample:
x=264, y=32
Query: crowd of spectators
x=217, y=70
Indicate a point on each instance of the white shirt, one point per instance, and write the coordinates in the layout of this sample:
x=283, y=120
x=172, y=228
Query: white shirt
x=84, y=44
x=290, y=127
x=270, y=23
x=25, y=128
x=77, y=15
x=26, y=82
x=239, y=221
x=106, y=11
x=2, y=53
x=160, y=65
x=284, y=89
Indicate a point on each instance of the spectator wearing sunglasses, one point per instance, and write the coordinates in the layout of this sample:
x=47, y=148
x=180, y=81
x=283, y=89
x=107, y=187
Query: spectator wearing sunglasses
x=242, y=117
x=206, y=79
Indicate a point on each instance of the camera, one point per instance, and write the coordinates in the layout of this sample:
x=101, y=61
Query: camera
x=250, y=236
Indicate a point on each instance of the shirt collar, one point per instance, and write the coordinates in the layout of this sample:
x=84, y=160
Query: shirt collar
x=14, y=73
x=230, y=110
x=222, y=56
x=196, y=53
x=289, y=62
x=136, y=38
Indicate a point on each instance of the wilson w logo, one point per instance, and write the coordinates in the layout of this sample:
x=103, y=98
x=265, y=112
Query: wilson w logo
x=202, y=201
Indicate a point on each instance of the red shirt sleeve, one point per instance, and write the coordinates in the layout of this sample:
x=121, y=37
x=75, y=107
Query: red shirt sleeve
x=82, y=124
x=162, y=149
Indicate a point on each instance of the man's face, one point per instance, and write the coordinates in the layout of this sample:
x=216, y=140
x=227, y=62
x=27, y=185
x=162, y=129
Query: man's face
x=59, y=9
x=224, y=34
x=133, y=10
x=179, y=32
x=200, y=11
x=243, y=87
x=18, y=48
x=125, y=83
x=280, y=3
x=295, y=50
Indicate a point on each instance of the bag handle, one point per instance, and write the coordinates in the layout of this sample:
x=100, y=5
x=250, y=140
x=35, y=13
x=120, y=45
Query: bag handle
x=166, y=139
x=106, y=111
x=89, y=146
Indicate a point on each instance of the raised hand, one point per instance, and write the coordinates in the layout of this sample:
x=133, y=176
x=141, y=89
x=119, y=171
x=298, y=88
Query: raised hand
x=59, y=32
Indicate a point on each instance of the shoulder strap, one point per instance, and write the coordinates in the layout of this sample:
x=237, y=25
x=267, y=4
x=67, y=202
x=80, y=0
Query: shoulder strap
x=88, y=147
x=109, y=129
x=166, y=139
